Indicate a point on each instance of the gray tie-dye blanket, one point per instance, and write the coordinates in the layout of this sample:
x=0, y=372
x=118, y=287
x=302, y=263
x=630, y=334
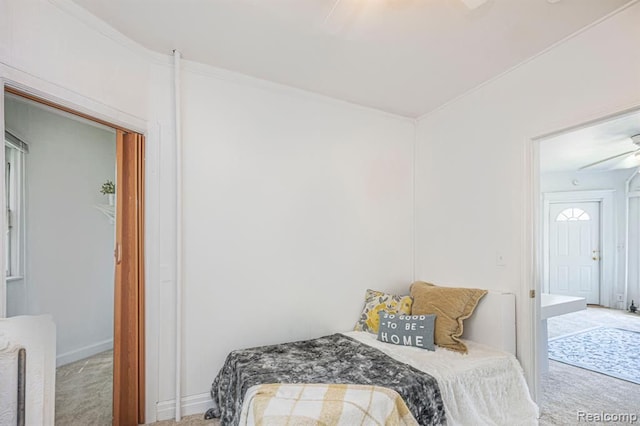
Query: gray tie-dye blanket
x=330, y=359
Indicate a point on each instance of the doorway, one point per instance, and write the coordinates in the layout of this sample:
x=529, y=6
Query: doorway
x=124, y=221
x=586, y=178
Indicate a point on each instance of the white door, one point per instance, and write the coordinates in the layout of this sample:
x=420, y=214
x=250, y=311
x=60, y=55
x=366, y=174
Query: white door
x=574, y=250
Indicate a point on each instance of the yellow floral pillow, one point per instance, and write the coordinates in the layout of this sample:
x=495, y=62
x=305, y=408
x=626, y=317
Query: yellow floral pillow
x=376, y=301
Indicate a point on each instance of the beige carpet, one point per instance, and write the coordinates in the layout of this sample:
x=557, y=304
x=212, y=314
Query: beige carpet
x=593, y=316
x=568, y=390
x=195, y=420
x=84, y=391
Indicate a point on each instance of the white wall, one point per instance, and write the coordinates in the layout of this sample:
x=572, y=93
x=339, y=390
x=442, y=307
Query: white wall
x=472, y=158
x=633, y=289
x=294, y=206
x=613, y=180
x=57, y=50
x=242, y=236
x=294, y=203
x=69, y=257
x=633, y=293
x=51, y=43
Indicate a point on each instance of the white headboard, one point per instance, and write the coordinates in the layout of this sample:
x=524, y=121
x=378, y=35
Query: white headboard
x=493, y=322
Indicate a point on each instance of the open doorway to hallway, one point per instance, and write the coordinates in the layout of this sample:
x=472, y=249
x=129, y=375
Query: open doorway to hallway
x=60, y=238
x=589, y=270
x=128, y=218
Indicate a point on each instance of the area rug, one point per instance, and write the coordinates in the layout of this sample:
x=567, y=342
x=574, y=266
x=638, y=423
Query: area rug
x=611, y=351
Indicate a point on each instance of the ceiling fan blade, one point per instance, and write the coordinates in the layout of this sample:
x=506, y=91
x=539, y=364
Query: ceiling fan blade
x=607, y=159
x=343, y=15
x=333, y=9
x=473, y=4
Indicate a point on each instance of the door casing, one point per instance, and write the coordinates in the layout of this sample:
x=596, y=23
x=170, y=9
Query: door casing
x=532, y=273
x=608, y=236
x=138, y=257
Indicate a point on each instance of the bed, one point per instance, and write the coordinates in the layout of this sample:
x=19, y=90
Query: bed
x=485, y=386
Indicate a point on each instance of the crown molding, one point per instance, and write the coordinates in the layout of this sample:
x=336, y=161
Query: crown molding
x=258, y=83
x=529, y=59
x=102, y=27
x=96, y=24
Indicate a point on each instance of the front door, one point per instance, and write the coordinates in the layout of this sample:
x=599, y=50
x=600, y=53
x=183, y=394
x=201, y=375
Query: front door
x=574, y=250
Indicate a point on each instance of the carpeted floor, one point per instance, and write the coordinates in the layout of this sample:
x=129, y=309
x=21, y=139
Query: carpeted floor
x=84, y=395
x=195, y=420
x=606, y=350
x=568, y=390
x=593, y=316
x=84, y=391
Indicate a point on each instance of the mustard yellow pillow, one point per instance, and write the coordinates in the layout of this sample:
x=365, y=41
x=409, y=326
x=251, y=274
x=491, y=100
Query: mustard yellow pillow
x=451, y=305
x=376, y=301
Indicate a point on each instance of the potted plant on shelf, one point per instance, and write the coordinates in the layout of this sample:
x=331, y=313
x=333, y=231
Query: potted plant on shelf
x=109, y=189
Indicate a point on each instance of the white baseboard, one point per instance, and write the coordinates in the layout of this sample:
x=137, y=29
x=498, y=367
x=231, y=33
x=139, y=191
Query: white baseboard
x=84, y=352
x=193, y=404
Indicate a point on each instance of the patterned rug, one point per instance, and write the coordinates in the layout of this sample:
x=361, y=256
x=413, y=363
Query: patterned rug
x=611, y=351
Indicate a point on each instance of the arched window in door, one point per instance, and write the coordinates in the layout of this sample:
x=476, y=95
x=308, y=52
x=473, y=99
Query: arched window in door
x=572, y=214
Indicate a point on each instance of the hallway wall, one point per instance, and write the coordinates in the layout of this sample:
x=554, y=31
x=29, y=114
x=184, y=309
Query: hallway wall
x=69, y=267
x=611, y=180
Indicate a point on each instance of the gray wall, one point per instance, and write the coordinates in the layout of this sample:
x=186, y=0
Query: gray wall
x=69, y=262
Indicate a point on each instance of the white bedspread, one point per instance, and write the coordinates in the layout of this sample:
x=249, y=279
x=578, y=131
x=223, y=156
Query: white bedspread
x=483, y=387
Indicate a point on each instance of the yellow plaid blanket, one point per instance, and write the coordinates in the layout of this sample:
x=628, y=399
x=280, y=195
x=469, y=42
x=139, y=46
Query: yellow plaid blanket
x=324, y=404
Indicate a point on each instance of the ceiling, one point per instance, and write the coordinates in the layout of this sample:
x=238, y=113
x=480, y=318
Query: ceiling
x=570, y=151
x=402, y=56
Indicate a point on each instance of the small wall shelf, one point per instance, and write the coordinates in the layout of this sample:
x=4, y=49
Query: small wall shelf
x=108, y=210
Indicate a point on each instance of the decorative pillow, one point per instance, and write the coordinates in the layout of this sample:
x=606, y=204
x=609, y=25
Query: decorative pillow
x=407, y=330
x=451, y=306
x=378, y=301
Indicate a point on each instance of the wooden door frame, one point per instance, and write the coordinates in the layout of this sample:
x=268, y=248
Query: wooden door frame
x=128, y=362
x=139, y=256
x=608, y=236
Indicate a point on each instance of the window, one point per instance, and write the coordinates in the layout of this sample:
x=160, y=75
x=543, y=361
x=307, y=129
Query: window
x=14, y=150
x=572, y=215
